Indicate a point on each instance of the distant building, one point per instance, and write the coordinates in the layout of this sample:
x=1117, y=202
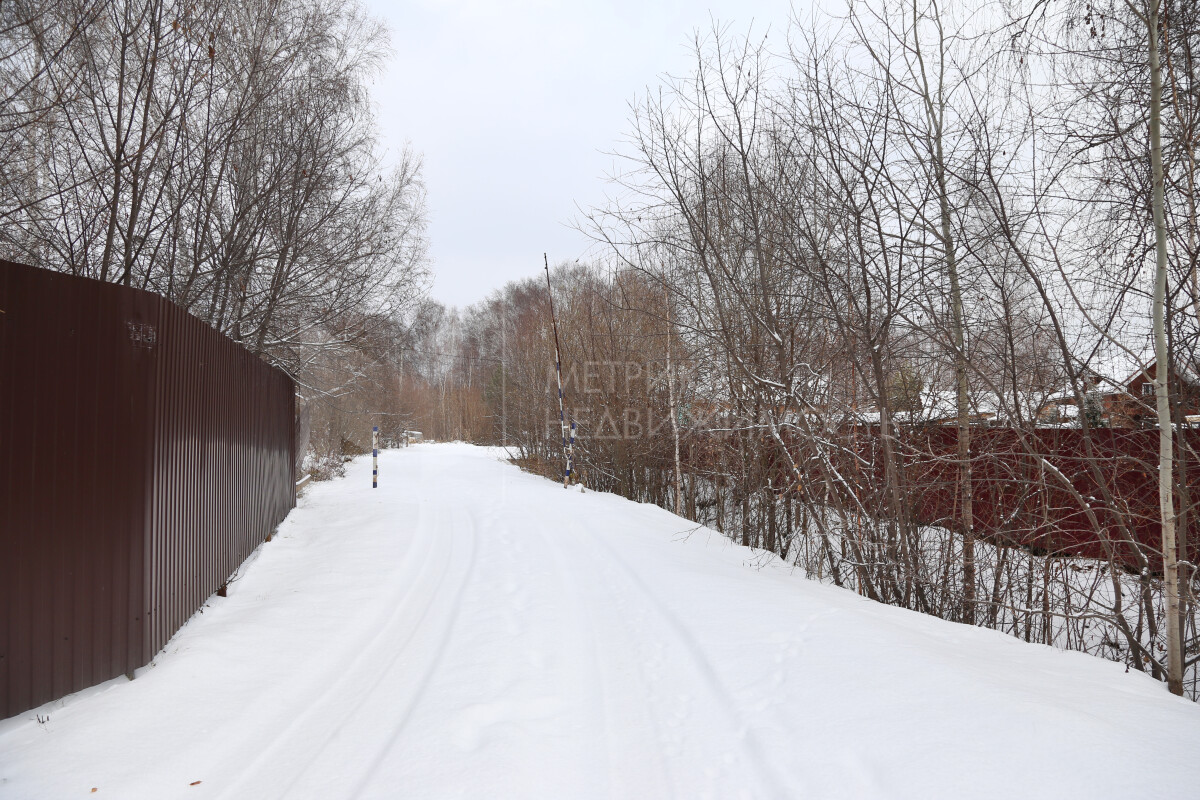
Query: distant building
x=1126, y=404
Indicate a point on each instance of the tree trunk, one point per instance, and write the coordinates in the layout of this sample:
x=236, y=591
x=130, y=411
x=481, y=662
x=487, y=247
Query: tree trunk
x=674, y=417
x=1162, y=372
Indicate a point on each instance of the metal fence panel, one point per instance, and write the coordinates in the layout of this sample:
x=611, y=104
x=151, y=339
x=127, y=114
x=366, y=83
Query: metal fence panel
x=143, y=456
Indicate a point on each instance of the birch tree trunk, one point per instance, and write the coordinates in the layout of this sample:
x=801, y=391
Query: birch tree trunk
x=1162, y=372
x=674, y=417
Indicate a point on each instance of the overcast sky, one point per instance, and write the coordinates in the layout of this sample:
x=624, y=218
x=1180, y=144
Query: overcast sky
x=513, y=104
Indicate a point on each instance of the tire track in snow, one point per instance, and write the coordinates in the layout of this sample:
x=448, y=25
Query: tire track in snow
x=750, y=745
x=295, y=742
x=313, y=737
x=327, y=688
x=588, y=609
x=583, y=613
x=433, y=662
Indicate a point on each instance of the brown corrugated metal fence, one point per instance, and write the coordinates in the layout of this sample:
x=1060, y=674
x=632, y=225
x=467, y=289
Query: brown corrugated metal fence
x=143, y=457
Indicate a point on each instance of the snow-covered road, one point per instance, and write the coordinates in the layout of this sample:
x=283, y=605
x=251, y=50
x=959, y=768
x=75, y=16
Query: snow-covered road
x=467, y=630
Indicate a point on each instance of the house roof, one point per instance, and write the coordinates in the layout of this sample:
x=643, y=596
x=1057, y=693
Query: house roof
x=1182, y=370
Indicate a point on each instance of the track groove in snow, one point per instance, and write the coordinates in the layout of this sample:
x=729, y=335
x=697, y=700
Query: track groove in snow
x=451, y=603
x=291, y=750
x=588, y=654
x=696, y=660
x=467, y=630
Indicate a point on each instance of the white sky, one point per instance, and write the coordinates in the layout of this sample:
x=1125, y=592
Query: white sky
x=513, y=105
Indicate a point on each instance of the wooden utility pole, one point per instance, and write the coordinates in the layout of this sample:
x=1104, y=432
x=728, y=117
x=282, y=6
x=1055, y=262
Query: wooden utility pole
x=504, y=374
x=567, y=446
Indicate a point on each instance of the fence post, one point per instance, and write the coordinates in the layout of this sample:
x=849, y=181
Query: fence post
x=375, y=457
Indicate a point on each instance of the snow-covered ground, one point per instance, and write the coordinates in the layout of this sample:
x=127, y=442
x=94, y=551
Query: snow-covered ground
x=467, y=630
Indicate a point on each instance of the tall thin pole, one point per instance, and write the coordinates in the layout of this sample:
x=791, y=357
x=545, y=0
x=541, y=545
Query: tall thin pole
x=562, y=416
x=1162, y=369
x=375, y=457
x=671, y=407
x=504, y=374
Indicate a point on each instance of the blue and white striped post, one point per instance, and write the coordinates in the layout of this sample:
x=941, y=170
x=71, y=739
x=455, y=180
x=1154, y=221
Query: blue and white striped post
x=375, y=457
x=570, y=453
